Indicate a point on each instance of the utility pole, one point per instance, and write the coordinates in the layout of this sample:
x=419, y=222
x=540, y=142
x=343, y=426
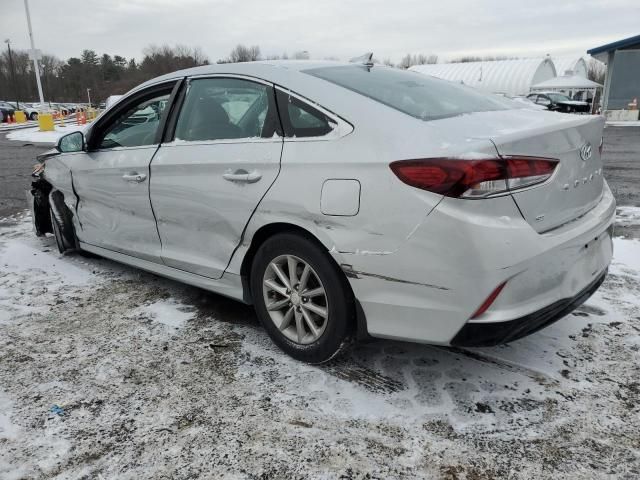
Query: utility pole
x=89, y=96
x=34, y=53
x=13, y=74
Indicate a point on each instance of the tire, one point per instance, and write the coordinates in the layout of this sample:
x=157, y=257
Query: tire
x=33, y=116
x=61, y=223
x=331, y=334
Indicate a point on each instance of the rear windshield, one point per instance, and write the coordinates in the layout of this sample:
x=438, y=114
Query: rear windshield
x=415, y=94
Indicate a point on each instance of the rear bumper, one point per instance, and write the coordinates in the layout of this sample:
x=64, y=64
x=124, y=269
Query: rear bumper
x=429, y=289
x=490, y=334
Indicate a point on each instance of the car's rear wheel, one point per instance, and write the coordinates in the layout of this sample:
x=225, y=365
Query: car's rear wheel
x=301, y=298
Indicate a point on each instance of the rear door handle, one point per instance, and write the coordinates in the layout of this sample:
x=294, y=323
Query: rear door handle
x=134, y=177
x=243, y=176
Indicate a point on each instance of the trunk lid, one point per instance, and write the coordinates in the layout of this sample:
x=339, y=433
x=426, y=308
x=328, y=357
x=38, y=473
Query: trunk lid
x=577, y=183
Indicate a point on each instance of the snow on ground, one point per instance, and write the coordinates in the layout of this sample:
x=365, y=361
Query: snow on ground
x=35, y=135
x=109, y=372
x=167, y=312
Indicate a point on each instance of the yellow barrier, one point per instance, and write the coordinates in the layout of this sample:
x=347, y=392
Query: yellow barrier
x=45, y=121
x=21, y=117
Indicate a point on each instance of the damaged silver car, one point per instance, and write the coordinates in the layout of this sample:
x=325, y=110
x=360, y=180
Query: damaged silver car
x=342, y=200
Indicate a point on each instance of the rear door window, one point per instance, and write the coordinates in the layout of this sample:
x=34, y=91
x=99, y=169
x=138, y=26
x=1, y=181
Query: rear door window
x=227, y=108
x=299, y=119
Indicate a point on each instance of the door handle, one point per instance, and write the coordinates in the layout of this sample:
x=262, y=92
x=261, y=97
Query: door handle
x=134, y=177
x=243, y=176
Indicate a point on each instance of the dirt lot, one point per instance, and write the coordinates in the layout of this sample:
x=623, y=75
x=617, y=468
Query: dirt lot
x=108, y=372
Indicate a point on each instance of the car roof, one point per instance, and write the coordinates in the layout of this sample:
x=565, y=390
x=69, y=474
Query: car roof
x=266, y=69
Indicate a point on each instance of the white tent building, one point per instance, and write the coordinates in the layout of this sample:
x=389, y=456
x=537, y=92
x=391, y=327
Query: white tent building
x=576, y=65
x=510, y=77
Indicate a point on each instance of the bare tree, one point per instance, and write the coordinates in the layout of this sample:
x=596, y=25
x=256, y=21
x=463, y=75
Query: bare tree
x=242, y=53
x=410, y=60
x=486, y=58
x=67, y=81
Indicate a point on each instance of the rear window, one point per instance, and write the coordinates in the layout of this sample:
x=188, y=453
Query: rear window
x=415, y=94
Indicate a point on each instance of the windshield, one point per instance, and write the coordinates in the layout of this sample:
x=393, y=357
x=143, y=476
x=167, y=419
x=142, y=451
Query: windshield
x=415, y=94
x=558, y=97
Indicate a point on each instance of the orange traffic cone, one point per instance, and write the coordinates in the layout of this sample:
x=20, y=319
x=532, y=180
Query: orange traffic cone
x=12, y=119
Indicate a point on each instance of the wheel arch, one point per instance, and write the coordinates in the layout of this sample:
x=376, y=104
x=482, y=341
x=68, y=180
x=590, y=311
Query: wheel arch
x=267, y=231
x=63, y=216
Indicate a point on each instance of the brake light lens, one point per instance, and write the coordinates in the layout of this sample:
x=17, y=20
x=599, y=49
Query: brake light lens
x=471, y=178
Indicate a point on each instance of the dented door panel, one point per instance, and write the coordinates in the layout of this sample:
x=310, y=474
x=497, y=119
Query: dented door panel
x=200, y=210
x=115, y=212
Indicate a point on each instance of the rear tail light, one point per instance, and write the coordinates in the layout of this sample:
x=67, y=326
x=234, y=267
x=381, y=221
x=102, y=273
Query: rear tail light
x=462, y=178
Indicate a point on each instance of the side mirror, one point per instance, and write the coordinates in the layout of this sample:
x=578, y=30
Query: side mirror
x=73, y=142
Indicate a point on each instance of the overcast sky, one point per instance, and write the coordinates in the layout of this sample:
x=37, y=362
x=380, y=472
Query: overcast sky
x=325, y=28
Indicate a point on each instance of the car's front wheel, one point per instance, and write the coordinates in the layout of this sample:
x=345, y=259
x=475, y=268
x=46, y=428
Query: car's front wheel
x=302, y=298
x=33, y=116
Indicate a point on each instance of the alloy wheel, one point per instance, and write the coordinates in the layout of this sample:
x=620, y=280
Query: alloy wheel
x=295, y=299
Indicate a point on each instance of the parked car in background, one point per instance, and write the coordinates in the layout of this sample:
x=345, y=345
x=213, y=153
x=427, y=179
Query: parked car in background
x=7, y=110
x=61, y=108
x=30, y=111
x=43, y=108
x=342, y=201
x=1, y=116
x=559, y=102
x=528, y=103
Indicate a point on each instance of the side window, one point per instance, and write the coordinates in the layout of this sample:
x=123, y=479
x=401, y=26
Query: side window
x=542, y=100
x=300, y=119
x=226, y=108
x=137, y=125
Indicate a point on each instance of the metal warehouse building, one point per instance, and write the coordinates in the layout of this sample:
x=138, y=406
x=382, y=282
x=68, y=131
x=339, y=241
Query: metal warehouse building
x=622, y=84
x=511, y=77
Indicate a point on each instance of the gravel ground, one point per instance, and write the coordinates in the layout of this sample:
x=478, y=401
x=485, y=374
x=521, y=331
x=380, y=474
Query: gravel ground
x=109, y=372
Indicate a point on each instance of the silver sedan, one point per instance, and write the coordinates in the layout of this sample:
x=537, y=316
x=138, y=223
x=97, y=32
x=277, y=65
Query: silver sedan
x=342, y=200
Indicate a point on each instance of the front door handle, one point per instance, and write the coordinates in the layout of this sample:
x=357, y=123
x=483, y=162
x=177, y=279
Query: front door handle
x=134, y=177
x=243, y=176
